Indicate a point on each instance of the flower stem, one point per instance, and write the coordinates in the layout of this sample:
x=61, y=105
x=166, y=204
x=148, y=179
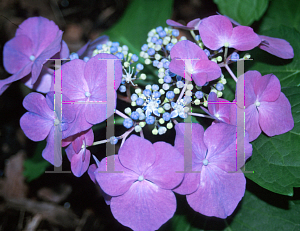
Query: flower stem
x=200, y=115
x=230, y=72
x=183, y=91
x=121, y=114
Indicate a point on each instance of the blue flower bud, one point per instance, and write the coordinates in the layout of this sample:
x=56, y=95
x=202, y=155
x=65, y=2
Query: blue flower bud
x=175, y=32
x=154, y=39
x=156, y=94
x=120, y=55
x=113, y=140
x=135, y=115
x=170, y=94
x=99, y=47
x=162, y=34
x=159, y=29
x=197, y=37
x=155, y=87
x=122, y=88
x=169, y=46
x=219, y=86
x=199, y=94
x=235, y=56
x=139, y=102
x=140, y=66
x=155, y=63
x=166, y=116
x=167, y=79
x=207, y=52
x=113, y=49
x=115, y=44
x=127, y=123
x=147, y=92
x=134, y=97
x=144, y=47
x=166, y=64
x=74, y=56
x=150, y=120
x=159, y=42
x=151, y=51
x=134, y=58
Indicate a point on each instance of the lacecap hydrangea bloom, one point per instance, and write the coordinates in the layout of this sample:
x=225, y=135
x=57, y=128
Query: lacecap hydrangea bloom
x=37, y=39
x=217, y=185
x=266, y=108
x=141, y=195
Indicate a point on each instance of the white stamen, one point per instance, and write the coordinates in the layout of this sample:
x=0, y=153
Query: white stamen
x=56, y=122
x=87, y=94
x=257, y=104
x=205, y=162
x=141, y=178
x=32, y=57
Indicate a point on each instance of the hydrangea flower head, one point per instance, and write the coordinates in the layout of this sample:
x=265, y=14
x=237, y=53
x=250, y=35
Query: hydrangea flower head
x=266, y=108
x=200, y=68
x=212, y=191
x=141, y=196
x=217, y=31
x=37, y=39
x=85, y=82
x=40, y=120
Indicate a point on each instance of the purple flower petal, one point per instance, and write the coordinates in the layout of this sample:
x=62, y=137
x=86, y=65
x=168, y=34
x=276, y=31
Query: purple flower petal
x=178, y=25
x=220, y=138
x=41, y=31
x=5, y=83
x=164, y=171
x=144, y=206
x=191, y=181
x=80, y=162
x=35, y=127
x=43, y=83
x=194, y=23
x=219, y=108
x=187, y=50
x=16, y=54
x=205, y=71
x=250, y=78
x=276, y=118
x=252, y=122
x=219, y=192
x=243, y=38
x=137, y=154
x=47, y=53
x=91, y=171
x=278, y=47
x=52, y=149
x=115, y=184
x=267, y=88
x=215, y=31
x=36, y=103
x=90, y=46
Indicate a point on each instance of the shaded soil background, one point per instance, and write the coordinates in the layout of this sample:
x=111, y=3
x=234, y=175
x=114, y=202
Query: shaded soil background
x=58, y=201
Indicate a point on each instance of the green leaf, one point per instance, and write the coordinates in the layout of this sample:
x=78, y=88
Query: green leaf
x=281, y=12
x=256, y=214
x=288, y=71
x=275, y=212
x=276, y=160
x=35, y=166
x=139, y=18
x=244, y=12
